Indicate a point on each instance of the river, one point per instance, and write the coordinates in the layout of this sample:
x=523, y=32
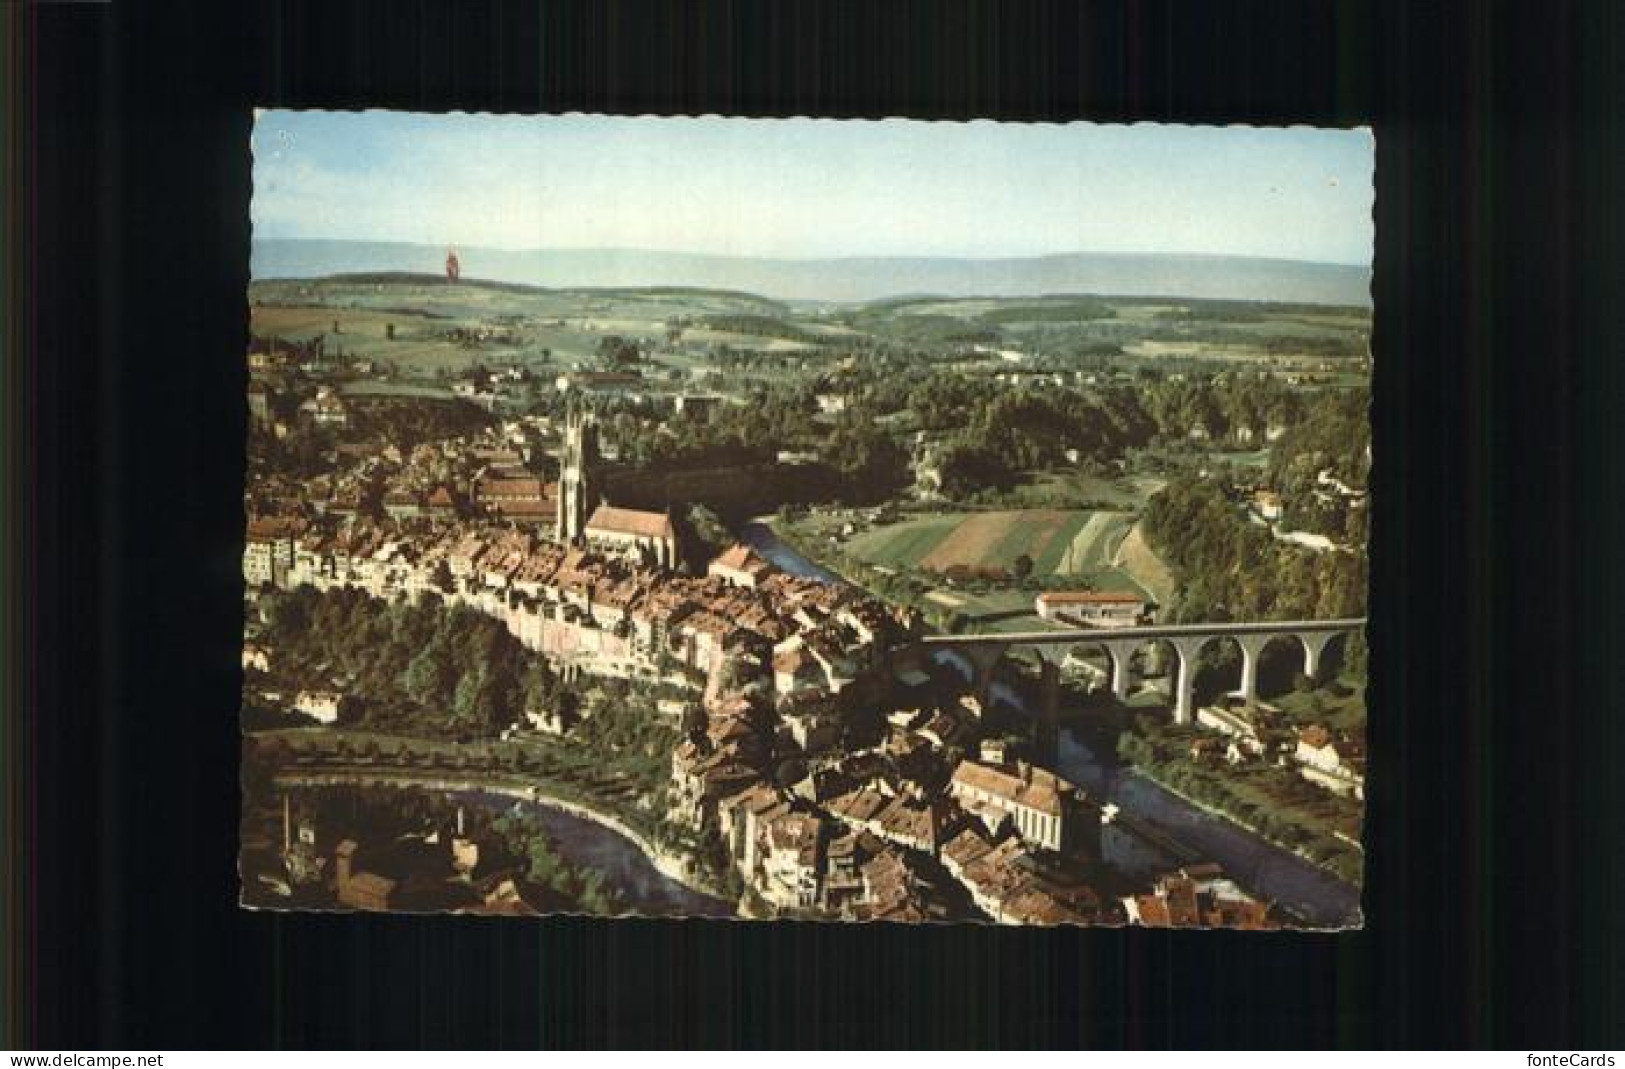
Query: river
x=1312, y=894
x=759, y=536
x=588, y=844
x=645, y=889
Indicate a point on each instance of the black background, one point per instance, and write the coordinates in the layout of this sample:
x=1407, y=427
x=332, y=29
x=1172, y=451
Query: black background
x=1494, y=914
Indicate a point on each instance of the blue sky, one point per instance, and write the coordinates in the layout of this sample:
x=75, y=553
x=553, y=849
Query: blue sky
x=804, y=188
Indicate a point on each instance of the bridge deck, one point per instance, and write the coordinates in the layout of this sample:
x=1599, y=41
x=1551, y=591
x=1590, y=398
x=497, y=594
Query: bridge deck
x=1146, y=634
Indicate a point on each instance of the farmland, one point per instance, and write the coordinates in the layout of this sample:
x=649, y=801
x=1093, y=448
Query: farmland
x=1057, y=541
x=962, y=568
x=962, y=444
x=411, y=321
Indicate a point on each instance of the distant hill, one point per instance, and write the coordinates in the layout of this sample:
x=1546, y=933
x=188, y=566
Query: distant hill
x=842, y=280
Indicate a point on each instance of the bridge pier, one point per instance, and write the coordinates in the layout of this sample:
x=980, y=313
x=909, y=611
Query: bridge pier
x=1046, y=736
x=1252, y=647
x=1314, y=644
x=984, y=660
x=1120, y=653
x=1187, y=650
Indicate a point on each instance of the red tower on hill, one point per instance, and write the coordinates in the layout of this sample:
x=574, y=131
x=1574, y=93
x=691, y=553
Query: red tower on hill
x=454, y=270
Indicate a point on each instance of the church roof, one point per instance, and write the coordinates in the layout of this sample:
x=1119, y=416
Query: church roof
x=612, y=520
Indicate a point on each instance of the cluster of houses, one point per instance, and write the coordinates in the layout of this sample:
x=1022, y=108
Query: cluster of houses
x=861, y=834
x=902, y=828
x=441, y=867
x=487, y=475
x=1198, y=896
x=1334, y=762
x=610, y=613
x=1258, y=732
x=491, y=389
x=1012, y=882
x=905, y=827
x=1265, y=505
x=915, y=816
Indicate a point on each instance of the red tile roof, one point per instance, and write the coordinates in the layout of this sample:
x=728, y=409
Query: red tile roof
x=270, y=528
x=1041, y=791
x=740, y=558
x=607, y=518
x=498, y=489
x=1088, y=597
x=1315, y=736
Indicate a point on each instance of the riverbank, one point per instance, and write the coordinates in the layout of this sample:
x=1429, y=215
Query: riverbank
x=1220, y=814
x=767, y=535
x=675, y=867
x=1293, y=816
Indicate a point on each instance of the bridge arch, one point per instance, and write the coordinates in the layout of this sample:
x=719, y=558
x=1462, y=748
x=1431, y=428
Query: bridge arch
x=982, y=653
x=977, y=664
x=1320, y=649
x=1188, y=652
x=1118, y=654
x=1256, y=651
x=1227, y=666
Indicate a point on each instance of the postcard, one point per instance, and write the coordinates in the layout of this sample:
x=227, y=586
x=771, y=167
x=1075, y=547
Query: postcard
x=909, y=522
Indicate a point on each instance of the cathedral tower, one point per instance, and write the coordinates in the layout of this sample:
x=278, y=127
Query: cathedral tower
x=576, y=461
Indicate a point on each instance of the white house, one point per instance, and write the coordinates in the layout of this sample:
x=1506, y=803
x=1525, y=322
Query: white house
x=790, y=861
x=1090, y=608
x=740, y=566
x=1324, y=763
x=322, y=705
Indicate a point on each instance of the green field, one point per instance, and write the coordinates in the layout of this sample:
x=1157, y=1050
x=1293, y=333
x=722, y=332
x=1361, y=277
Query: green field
x=558, y=327
x=412, y=322
x=995, y=603
x=903, y=545
x=1058, y=541
x=1093, y=544
x=1075, y=489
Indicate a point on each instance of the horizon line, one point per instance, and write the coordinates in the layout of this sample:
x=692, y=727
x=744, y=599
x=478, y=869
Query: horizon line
x=815, y=259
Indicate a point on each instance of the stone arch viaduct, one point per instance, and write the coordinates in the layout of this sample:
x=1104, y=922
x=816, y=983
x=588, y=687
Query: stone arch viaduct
x=984, y=652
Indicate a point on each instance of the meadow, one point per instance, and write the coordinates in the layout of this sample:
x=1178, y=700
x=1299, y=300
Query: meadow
x=1056, y=541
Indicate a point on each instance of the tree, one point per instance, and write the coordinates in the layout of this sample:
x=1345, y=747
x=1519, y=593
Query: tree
x=619, y=352
x=872, y=464
x=967, y=469
x=426, y=678
x=290, y=614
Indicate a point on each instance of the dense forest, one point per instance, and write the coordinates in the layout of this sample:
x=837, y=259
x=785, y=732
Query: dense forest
x=1229, y=569
x=991, y=439
x=1334, y=433
x=424, y=670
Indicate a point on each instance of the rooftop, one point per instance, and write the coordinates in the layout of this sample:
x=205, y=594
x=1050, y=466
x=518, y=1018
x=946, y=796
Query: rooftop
x=1088, y=597
x=612, y=520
